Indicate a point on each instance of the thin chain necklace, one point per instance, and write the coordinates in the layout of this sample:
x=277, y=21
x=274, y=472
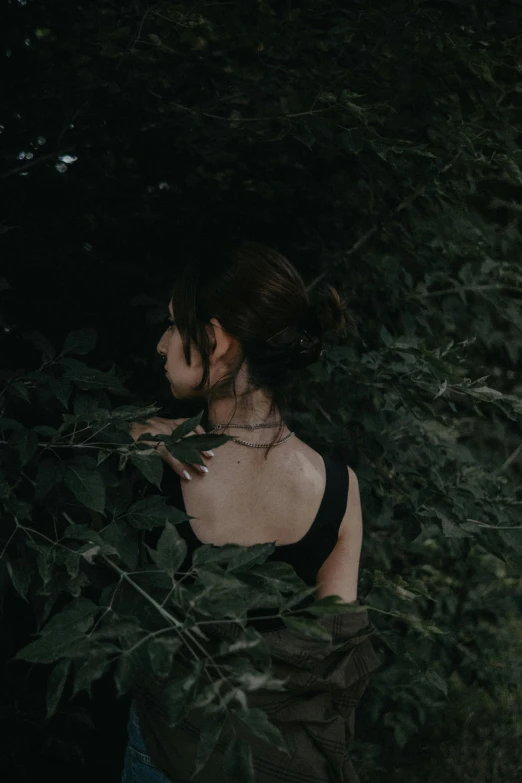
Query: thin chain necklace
x=253, y=427
x=262, y=425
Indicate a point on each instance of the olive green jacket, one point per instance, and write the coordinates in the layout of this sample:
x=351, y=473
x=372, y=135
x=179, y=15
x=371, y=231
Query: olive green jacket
x=315, y=714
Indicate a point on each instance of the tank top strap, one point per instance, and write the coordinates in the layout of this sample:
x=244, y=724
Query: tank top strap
x=333, y=508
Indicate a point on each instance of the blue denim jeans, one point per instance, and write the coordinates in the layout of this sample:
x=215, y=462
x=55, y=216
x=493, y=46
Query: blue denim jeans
x=138, y=766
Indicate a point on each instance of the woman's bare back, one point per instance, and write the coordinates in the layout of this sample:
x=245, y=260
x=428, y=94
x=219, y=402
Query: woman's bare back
x=247, y=499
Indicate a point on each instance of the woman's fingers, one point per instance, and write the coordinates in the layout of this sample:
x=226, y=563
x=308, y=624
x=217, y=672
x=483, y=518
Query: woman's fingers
x=157, y=426
x=201, y=431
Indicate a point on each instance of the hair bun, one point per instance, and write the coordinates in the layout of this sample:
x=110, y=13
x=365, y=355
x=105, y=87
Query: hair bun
x=331, y=314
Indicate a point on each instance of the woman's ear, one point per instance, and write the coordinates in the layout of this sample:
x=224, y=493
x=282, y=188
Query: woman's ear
x=222, y=344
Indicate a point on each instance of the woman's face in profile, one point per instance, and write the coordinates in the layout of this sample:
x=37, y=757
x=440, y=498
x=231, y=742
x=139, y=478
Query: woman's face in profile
x=181, y=376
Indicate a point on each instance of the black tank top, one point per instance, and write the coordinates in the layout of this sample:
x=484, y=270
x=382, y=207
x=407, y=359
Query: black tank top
x=306, y=556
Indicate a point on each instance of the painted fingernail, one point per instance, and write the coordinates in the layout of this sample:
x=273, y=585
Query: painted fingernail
x=187, y=475
x=203, y=469
x=209, y=453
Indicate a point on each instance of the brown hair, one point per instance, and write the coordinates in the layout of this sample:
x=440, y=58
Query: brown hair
x=259, y=298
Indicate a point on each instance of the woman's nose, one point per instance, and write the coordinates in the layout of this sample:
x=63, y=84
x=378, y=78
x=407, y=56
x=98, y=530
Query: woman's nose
x=160, y=348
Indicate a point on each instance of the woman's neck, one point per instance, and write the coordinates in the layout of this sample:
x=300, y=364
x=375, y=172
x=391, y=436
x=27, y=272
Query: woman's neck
x=251, y=408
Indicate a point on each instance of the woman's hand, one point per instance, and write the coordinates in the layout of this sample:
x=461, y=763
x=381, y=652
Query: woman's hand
x=158, y=426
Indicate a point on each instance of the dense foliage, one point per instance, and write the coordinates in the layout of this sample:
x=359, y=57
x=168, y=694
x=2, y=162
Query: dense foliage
x=377, y=145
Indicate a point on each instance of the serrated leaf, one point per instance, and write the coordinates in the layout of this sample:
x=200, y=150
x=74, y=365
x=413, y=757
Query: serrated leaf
x=235, y=555
x=249, y=640
x=310, y=629
x=207, y=442
x=61, y=389
x=187, y=426
x=181, y=693
x=237, y=762
x=50, y=648
x=50, y=472
x=80, y=342
x=161, y=653
x=125, y=673
x=257, y=721
x=63, y=635
x=9, y=424
x=183, y=451
x=152, y=512
x=20, y=390
x=45, y=430
x=170, y=551
x=41, y=343
x=385, y=336
x=150, y=465
x=435, y=679
x=89, y=378
x=91, y=667
x=20, y=576
x=333, y=604
x=213, y=576
x=451, y=530
x=81, y=611
x=87, y=486
x=56, y=685
x=124, y=539
x=208, y=738
x=25, y=443
x=45, y=562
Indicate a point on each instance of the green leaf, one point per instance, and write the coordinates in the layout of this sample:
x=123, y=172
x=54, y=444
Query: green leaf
x=20, y=576
x=87, y=486
x=124, y=539
x=63, y=635
x=257, y=721
x=308, y=628
x=125, y=673
x=213, y=576
x=72, y=563
x=235, y=555
x=20, y=390
x=152, y=511
x=61, y=389
x=25, y=444
x=45, y=562
x=80, y=342
x=50, y=648
x=187, y=426
x=237, y=762
x=332, y=604
x=206, y=442
x=180, y=693
x=150, y=465
x=50, y=472
x=185, y=452
x=5, y=489
x=81, y=611
x=89, y=378
x=91, y=667
x=45, y=430
x=435, y=679
x=41, y=343
x=451, y=530
x=171, y=550
x=386, y=336
x=250, y=639
x=209, y=736
x=56, y=685
x=161, y=653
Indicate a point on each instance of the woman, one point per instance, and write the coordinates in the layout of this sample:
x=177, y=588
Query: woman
x=241, y=324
